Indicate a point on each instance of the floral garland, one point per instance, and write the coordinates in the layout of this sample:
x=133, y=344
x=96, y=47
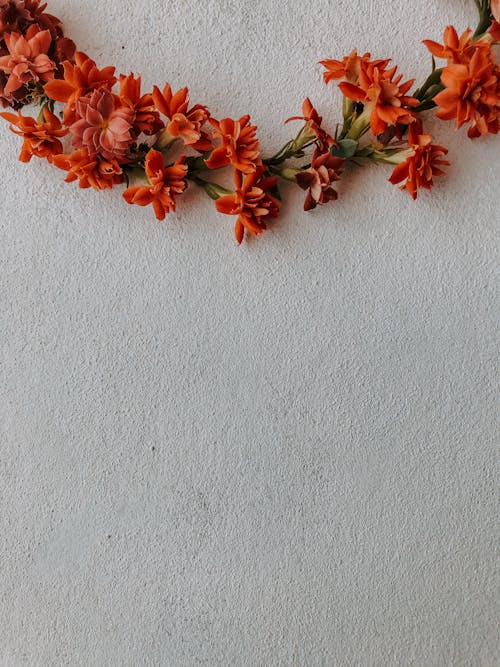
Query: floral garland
x=123, y=136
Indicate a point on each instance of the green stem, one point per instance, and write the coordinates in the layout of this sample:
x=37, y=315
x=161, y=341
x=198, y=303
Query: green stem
x=41, y=117
x=213, y=190
x=288, y=174
x=359, y=127
x=434, y=79
x=294, y=148
x=283, y=154
x=197, y=163
x=485, y=18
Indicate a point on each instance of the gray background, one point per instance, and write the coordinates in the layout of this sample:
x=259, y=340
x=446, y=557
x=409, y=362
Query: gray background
x=283, y=454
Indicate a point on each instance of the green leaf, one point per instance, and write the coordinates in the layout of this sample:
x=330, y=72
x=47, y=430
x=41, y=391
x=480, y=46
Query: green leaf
x=346, y=148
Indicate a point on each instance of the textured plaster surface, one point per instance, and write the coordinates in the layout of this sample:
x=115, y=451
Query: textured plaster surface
x=279, y=455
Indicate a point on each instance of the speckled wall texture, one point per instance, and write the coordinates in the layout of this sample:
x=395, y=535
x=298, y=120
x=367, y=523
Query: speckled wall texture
x=278, y=455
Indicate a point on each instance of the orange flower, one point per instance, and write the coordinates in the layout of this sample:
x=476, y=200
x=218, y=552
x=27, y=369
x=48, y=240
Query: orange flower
x=185, y=123
x=313, y=123
x=384, y=97
x=102, y=126
x=27, y=59
x=41, y=140
x=79, y=79
x=459, y=50
x=455, y=49
x=146, y=118
x=325, y=170
x=251, y=202
x=471, y=82
x=240, y=146
x=165, y=183
x=94, y=172
x=349, y=68
x=472, y=94
x=420, y=163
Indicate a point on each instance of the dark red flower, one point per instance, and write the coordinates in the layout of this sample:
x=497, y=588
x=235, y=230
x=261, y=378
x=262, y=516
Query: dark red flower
x=317, y=180
x=14, y=16
x=495, y=31
x=313, y=125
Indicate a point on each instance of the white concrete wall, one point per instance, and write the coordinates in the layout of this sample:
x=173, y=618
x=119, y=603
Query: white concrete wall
x=278, y=455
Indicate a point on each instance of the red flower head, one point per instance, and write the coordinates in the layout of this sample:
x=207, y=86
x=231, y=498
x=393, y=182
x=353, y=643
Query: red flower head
x=313, y=125
x=185, y=123
x=251, y=202
x=384, y=97
x=27, y=59
x=90, y=171
x=495, y=26
x=240, y=146
x=146, y=118
x=41, y=18
x=164, y=184
x=80, y=78
x=325, y=170
x=41, y=140
x=18, y=15
x=495, y=31
x=13, y=16
x=102, y=126
x=423, y=161
x=472, y=83
x=63, y=49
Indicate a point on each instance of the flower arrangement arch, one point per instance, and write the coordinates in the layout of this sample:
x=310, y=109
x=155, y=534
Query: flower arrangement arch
x=104, y=131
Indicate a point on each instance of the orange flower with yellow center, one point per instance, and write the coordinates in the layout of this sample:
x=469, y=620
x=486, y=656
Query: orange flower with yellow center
x=103, y=126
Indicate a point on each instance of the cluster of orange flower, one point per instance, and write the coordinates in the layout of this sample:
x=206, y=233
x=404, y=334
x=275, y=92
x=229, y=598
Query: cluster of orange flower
x=108, y=132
